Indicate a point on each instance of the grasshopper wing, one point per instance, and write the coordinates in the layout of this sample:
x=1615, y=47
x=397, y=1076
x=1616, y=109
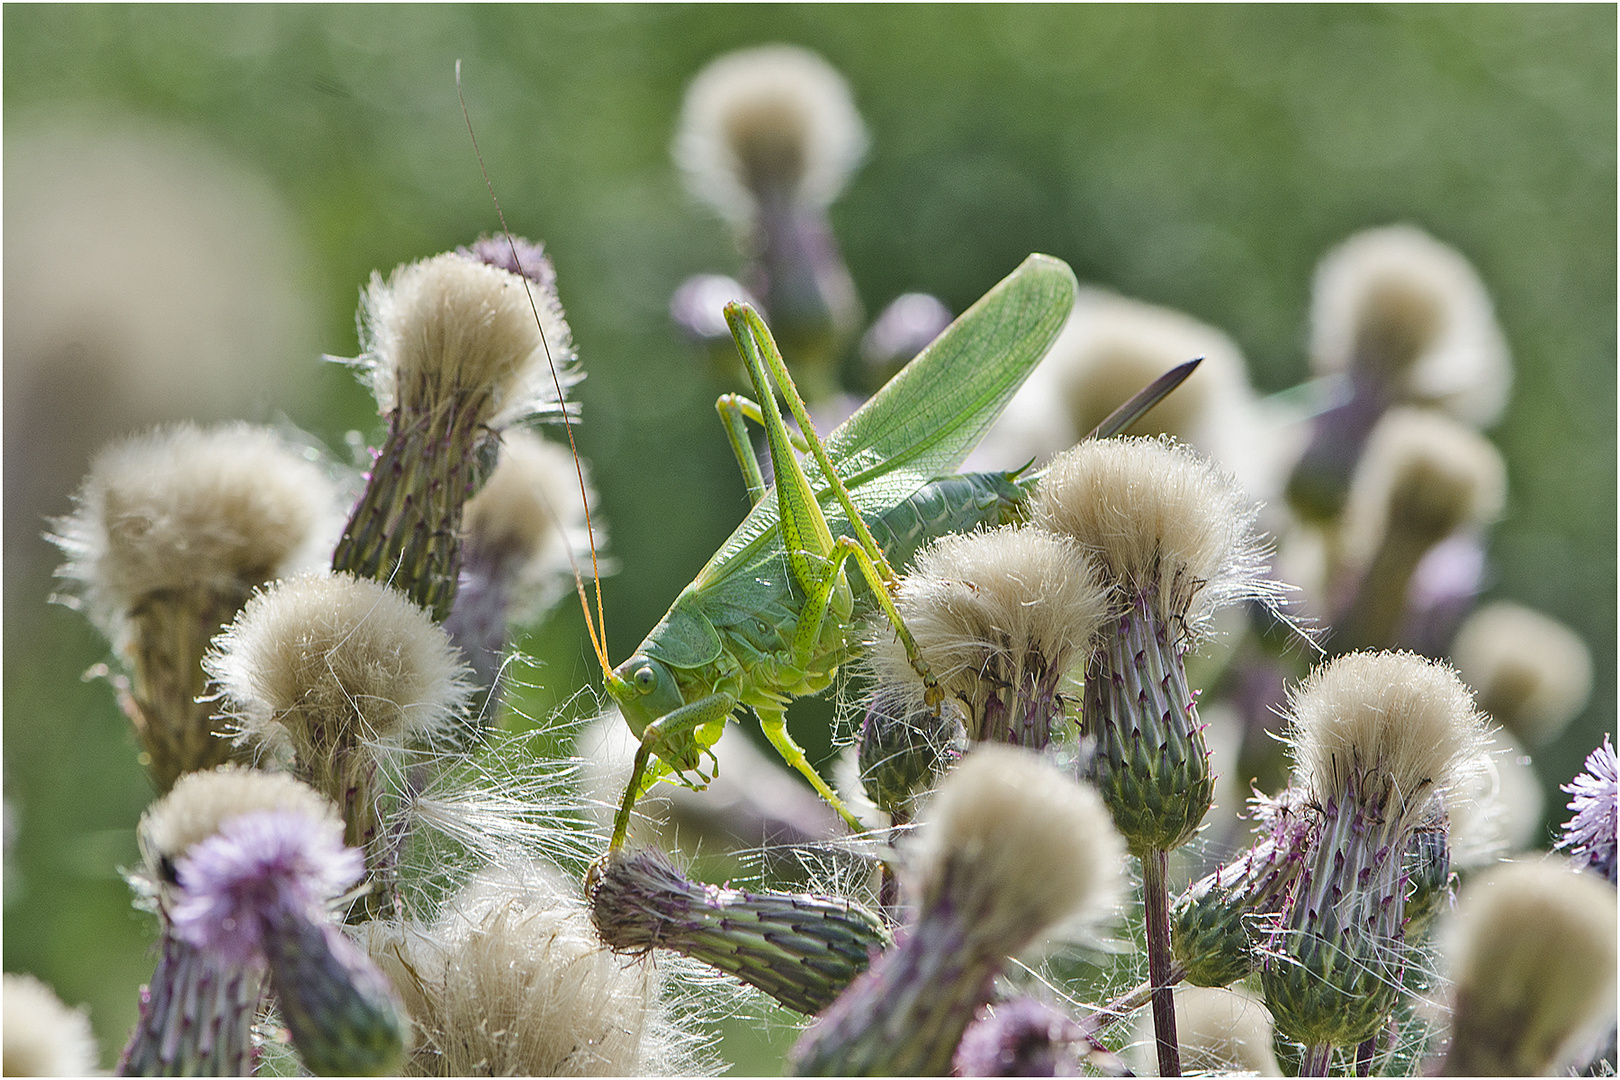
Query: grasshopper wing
x=930, y=415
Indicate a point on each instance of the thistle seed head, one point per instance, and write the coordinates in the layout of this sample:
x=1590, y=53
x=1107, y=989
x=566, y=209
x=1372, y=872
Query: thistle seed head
x=1163, y=522
x=1533, y=674
x=775, y=121
x=325, y=662
x=181, y=509
x=1406, y=310
x=259, y=872
x=1496, y=810
x=200, y=803
x=43, y=1037
x=1404, y=723
x=1422, y=477
x=1000, y=616
x=1221, y=1031
x=1531, y=953
x=452, y=328
x=1015, y=846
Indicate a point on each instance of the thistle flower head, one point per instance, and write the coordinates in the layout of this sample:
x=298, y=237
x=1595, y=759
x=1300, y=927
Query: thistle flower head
x=1589, y=836
x=1531, y=953
x=1411, y=313
x=42, y=1036
x=329, y=660
x=775, y=121
x=1162, y=521
x=181, y=509
x=257, y=869
x=1422, y=476
x=1000, y=617
x=199, y=805
x=1532, y=673
x=1393, y=723
x=900, y=332
x=453, y=329
x=1021, y=1037
x=1016, y=846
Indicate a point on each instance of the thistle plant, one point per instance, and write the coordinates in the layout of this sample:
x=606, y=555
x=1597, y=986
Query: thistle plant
x=337, y=677
x=1173, y=537
x=1380, y=741
x=1001, y=617
x=1589, y=836
x=456, y=348
x=171, y=533
x=801, y=949
x=1530, y=952
x=241, y=867
x=42, y=1036
x=1010, y=849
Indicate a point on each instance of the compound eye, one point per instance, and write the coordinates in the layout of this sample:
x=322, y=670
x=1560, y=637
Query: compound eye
x=645, y=679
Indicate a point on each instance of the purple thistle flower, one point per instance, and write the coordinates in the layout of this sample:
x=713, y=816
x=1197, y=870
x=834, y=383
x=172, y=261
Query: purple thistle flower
x=259, y=869
x=1021, y=1037
x=1590, y=834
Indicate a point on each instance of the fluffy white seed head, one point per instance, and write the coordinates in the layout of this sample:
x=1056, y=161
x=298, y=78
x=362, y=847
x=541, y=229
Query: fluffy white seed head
x=1399, y=302
x=328, y=659
x=979, y=603
x=1222, y=1031
x=1532, y=673
x=1017, y=846
x=200, y=802
x=1406, y=722
x=1496, y=809
x=1161, y=520
x=184, y=508
x=450, y=328
x=511, y=980
x=775, y=120
x=1422, y=476
x=1531, y=954
x=42, y=1036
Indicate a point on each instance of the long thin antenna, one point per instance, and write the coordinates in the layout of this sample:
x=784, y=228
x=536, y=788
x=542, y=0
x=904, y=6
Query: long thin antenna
x=598, y=638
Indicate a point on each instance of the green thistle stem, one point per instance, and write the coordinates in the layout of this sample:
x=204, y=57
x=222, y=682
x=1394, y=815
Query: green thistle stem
x=196, y=1017
x=406, y=528
x=802, y=950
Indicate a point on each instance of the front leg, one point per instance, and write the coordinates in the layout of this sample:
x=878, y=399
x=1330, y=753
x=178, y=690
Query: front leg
x=678, y=738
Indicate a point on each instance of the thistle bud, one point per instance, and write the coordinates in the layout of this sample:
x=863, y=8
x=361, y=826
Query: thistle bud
x=802, y=950
x=172, y=531
x=1380, y=740
x=455, y=350
x=1011, y=848
x=1001, y=617
x=339, y=674
x=522, y=536
x=1533, y=674
x=1589, y=836
x=1423, y=477
x=1531, y=956
x=904, y=746
x=43, y=1037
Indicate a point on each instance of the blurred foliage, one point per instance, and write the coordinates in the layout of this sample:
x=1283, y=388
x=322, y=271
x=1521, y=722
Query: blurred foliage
x=1198, y=157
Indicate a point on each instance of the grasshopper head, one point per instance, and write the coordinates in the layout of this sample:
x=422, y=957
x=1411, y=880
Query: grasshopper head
x=645, y=690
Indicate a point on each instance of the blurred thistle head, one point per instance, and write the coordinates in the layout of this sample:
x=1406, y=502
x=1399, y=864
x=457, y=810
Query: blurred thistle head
x=186, y=509
x=1532, y=673
x=1391, y=725
x=1221, y=1030
x=1015, y=847
x=329, y=662
x=1021, y=1037
x=453, y=330
x=527, y=521
x=200, y=803
x=772, y=123
x=1497, y=808
x=1531, y=956
x=900, y=332
x=1589, y=836
x=1422, y=477
x=698, y=307
x=1165, y=524
x=511, y=980
x=1000, y=616
x=42, y=1036
x=1397, y=306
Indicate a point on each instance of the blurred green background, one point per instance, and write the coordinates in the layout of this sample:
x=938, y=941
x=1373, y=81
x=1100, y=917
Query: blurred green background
x=1197, y=157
